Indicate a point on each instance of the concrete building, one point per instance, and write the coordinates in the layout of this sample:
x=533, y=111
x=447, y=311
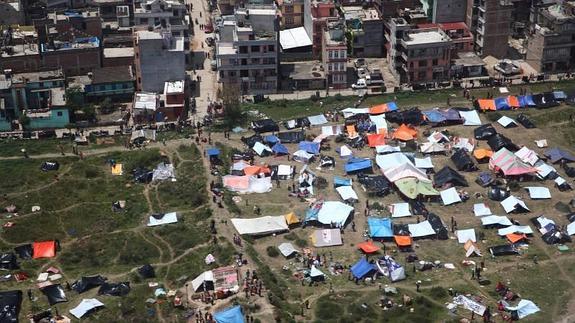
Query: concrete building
x=303, y=76
x=316, y=16
x=441, y=11
x=112, y=82
x=490, y=23
x=168, y=15
x=334, y=56
x=551, y=46
x=393, y=8
x=459, y=33
x=76, y=57
x=120, y=56
x=248, y=55
x=364, y=29
x=395, y=29
x=172, y=101
x=71, y=24
x=12, y=12
x=292, y=12
x=159, y=58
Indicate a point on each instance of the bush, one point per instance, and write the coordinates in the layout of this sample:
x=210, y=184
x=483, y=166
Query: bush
x=91, y=173
x=514, y=186
x=272, y=251
x=493, y=116
x=291, y=236
x=314, y=98
x=376, y=206
x=321, y=183
x=301, y=242
x=338, y=97
x=438, y=292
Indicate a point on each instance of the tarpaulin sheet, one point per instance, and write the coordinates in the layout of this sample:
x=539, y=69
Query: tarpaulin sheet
x=390, y=161
x=349, y=112
x=424, y=163
x=412, y=187
x=344, y=151
x=340, y=181
x=85, y=306
x=538, y=192
x=450, y=196
x=512, y=203
x=114, y=289
x=55, y=294
x=375, y=140
x=261, y=225
x=213, y=152
x=386, y=149
x=86, y=283
x=405, y=133
x=317, y=120
x=501, y=104
x=302, y=156
x=481, y=209
x=367, y=247
x=509, y=164
x=403, y=171
x=310, y=147
x=167, y=218
x=421, y=229
x=24, y=251
x=334, y=212
x=10, y=304
x=271, y=139
x=314, y=272
x=484, y=132
x=515, y=229
x=362, y=268
x=496, y=219
x=399, y=210
x=261, y=149
x=524, y=308
x=326, y=238
x=402, y=241
x=247, y=184
x=163, y=171
x=506, y=122
x=464, y=235
x=291, y=137
x=514, y=237
x=527, y=155
x=379, y=227
x=513, y=102
x=380, y=123
x=526, y=101
x=486, y=104
x=432, y=147
x=471, y=118
x=555, y=155
x=287, y=249
x=230, y=315
x=470, y=304
x=8, y=261
x=332, y=130
x=358, y=164
x=383, y=108
x=44, y=249
x=346, y=193
x=265, y=125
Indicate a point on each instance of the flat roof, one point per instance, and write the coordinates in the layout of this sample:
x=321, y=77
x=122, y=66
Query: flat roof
x=226, y=49
x=426, y=37
x=172, y=87
x=37, y=76
x=294, y=38
x=112, y=74
x=468, y=59
x=119, y=52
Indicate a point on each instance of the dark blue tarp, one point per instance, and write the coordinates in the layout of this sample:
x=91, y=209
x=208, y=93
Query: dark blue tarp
x=213, y=152
x=380, y=227
x=280, y=149
x=556, y=154
x=434, y=116
x=357, y=164
x=340, y=181
x=362, y=268
x=230, y=315
x=501, y=104
x=309, y=146
x=526, y=101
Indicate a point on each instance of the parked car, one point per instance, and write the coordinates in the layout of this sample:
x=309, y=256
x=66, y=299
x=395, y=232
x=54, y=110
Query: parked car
x=361, y=84
x=362, y=72
x=360, y=62
x=508, y=67
x=374, y=78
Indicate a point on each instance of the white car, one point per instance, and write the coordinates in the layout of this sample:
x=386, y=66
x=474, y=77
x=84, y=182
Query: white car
x=362, y=72
x=361, y=84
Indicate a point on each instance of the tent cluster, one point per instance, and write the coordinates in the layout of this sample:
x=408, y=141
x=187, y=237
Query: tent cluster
x=542, y=100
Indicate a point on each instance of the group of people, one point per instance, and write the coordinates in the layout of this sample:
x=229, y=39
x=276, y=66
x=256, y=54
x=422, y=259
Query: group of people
x=252, y=284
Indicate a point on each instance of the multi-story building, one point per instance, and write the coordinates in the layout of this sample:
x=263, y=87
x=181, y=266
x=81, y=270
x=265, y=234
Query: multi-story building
x=38, y=96
x=316, y=15
x=334, y=56
x=76, y=57
x=71, y=24
x=395, y=28
x=11, y=13
x=459, y=33
x=422, y=55
x=162, y=14
x=441, y=11
x=159, y=58
x=248, y=55
x=551, y=46
x=106, y=82
x=393, y=8
x=291, y=13
x=364, y=31
x=490, y=23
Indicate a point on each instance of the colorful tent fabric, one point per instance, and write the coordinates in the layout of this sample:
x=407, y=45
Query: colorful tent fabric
x=280, y=149
x=402, y=241
x=247, y=184
x=513, y=102
x=403, y=171
x=471, y=249
x=357, y=165
x=351, y=131
x=413, y=187
x=555, y=155
x=379, y=122
x=501, y=104
x=310, y=147
x=509, y=164
x=486, y=104
x=362, y=268
x=213, y=152
x=44, y=249
x=255, y=170
x=526, y=101
x=291, y=218
x=515, y=237
x=379, y=227
x=481, y=153
x=368, y=247
x=230, y=315
x=117, y=169
x=375, y=140
x=405, y=133
x=527, y=155
x=383, y=108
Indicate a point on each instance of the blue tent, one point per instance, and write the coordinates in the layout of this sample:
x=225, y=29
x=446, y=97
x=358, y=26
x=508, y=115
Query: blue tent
x=340, y=181
x=230, y=315
x=380, y=227
x=213, y=152
x=392, y=106
x=526, y=101
x=362, y=268
x=556, y=155
x=357, y=164
x=280, y=149
x=502, y=104
x=434, y=116
x=559, y=95
x=309, y=146
x=271, y=139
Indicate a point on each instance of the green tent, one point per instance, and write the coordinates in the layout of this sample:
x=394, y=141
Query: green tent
x=412, y=187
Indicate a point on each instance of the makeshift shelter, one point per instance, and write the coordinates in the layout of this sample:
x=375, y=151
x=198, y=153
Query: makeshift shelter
x=482, y=155
x=54, y=293
x=362, y=268
x=347, y=193
x=331, y=212
x=326, y=238
x=481, y=209
x=462, y=161
x=438, y=226
x=10, y=305
x=404, y=133
x=24, y=251
x=538, y=192
x=375, y=140
x=383, y=108
x=213, y=152
x=291, y=218
x=486, y=104
x=471, y=249
x=44, y=249
x=544, y=100
x=485, y=179
x=162, y=218
x=332, y=130
x=163, y=172
x=516, y=237
x=502, y=104
x=49, y=165
x=450, y=196
x=524, y=308
x=525, y=122
x=317, y=120
x=84, y=284
x=402, y=241
x=443, y=117
x=412, y=116
x=484, y=132
x=471, y=118
x=562, y=184
x=340, y=181
x=503, y=250
x=432, y=147
x=261, y=149
x=498, y=141
x=556, y=155
x=399, y=210
x=280, y=149
x=464, y=143
x=146, y=271
x=247, y=184
x=291, y=137
x=230, y=315
x=368, y=247
x=389, y=161
x=495, y=220
x=8, y=261
x=448, y=176
x=403, y=171
x=380, y=123
x=302, y=156
x=374, y=185
x=386, y=149
x=526, y=101
x=265, y=125
x=260, y=226
x=379, y=228
x=413, y=187
x=114, y=289
x=358, y=165
x=465, y=235
x=390, y=268
x=344, y=152
x=422, y=229
x=86, y=306
x=509, y=164
x=497, y=193
x=287, y=249
x=514, y=204
x=527, y=155
x=507, y=122
x=309, y=147
x=424, y=163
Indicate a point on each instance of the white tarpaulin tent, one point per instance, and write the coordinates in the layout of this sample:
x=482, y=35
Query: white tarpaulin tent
x=206, y=276
x=527, y=155
x=386, y=149
x=543, y=222
x=317, y=120
x=470, y=304
x=515, y=229
x=163, y=172
x=505, y=121
x=560, y=181
x=334, y=212
x=260, y=148
x=346, y=193
x=524, y=308
x=571, y=228
x=471, y=118
x=287, y=249
x=481, y=209
x=344, y=151
x=421, y=229
x=392, y=160
x=437, y=136
x=511, y=203
x=403, y=171
x=464, y=235
x=450, y=196
x=262, y=225
x=495, y=219
x=380, y=123
x=431, y=147
x=85, y=306
x=349, y=112
x=302, y=156
x=399, y=210
x=166, y=219
x=541, y=143
x=314, y=272
x=464, y=143
x=247, y=184
x=423, y=163
x=543, y=169
x=332, y=130
x=284, y=170
x=326, y=238
x=538, y=192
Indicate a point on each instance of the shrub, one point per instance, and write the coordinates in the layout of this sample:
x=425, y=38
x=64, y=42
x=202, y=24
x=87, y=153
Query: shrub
x=314, y=98
x=438, y=292
x=272, y=251
x=338, y=97
x=376, y=206
x=91, y=173
x=493, y=116
x=291, y=236
x=514, y=186
x=301, y=242
x=321, y=183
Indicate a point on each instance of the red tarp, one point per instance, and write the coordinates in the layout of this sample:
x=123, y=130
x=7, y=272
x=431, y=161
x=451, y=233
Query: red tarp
x=44, y=249
x=368, y=247
x=486, y=104
x=513, y=102
x=402, y=241
x=255, y=170
x=376, y=140
x=513, y=237
x=405, y=133
x=379, y=109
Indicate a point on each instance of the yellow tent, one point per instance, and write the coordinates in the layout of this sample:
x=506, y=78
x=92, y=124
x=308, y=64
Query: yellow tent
x=117, y=169
x=291, y=218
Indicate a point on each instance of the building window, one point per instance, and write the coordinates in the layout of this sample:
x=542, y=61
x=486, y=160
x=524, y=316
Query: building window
x=421, y=75
x=243, y=49
x=289, y=20
x=255, y=49
x=342, y=54
x=271, y=48
x=244, y=73
x=329, y=67
x=289, y=9
x=232, y=73
x=244, y=61
x=434, y=62
x=330, y=54
x=59, y=113
x=423, y=63
x=335, y=54
x=255, y=60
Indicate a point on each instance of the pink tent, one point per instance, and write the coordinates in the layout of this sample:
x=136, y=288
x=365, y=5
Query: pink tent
x=509, y=164
x=404, y=170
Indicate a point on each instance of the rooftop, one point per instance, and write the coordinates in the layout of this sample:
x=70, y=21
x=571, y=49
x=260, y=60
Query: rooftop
x=79, y=43
x=426, y=37
x=119, y=52
x=145, y=101
x=559, y=12
x=37, y=76
x=112, y=74
x=257, y=11
x=468, y=59
x=359, y=13
x=225, y=49
x=174, y=87
x=303, y=70
x=294, y=38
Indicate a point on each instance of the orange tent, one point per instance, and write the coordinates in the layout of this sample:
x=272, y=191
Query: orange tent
x=402, y=241
x=514, y=237
x=368, y=247
x=405, y=133
x=44, y=249
x=513, y=102
x=376, y=140
x=254, y=170
x=379, y=109
x=351, y=132
x=486, y=104
x=482, y=153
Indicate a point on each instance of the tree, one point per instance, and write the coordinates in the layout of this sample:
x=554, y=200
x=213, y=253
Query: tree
x=74, y=98
x=230, y=95
x=24, y=121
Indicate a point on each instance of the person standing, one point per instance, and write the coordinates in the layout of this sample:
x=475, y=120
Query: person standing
x=417, y=285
